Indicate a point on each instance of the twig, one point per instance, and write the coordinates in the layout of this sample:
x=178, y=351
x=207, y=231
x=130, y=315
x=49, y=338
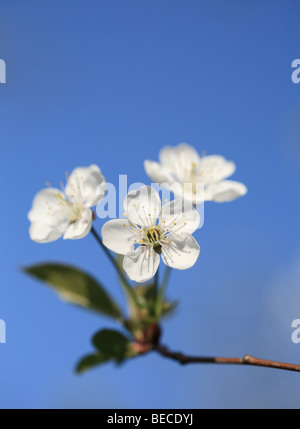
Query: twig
x=246, y=360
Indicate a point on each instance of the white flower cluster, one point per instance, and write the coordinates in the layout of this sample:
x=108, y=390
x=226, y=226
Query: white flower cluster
x=149, y=232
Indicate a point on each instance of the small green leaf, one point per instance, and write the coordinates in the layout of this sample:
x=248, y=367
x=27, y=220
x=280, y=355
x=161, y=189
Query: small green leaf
x=76, y=286
x=111, y=346
x=111, y=343
x=90, y=361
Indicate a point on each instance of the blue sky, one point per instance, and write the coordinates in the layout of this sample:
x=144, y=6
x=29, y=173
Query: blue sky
x=111, y=82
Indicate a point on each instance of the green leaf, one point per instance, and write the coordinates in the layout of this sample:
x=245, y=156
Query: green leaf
x=111, y=346
x=90, y=361
x=111, y=343
x=76, y=286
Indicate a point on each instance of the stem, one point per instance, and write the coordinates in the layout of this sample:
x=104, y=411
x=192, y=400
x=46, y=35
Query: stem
x=246, y=360
x=156, y=283
x=161, y=293
x=115, y=264
x=166, y=277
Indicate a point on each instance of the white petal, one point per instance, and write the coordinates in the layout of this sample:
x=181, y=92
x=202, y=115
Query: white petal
x=81, y=227
x=141, y=264
x=214, y=168
x=227, y=190
x=86, y=185
x=48, y=204
x=119, y=236
x=43, y=233
x=143, y=206
x=179, y=215
x=179, y=159
x=187, y=154
x=182, y=252
x=182, y=153
x=183, y=192
x=188, y=193
x=167, y=156
x=158, y=173
x=48, y=216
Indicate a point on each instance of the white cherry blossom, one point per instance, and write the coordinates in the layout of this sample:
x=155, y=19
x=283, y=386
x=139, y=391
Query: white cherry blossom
x=150, y=232
x=56, y=212
x=187, y=174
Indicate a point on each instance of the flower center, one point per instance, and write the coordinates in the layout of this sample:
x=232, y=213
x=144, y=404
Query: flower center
x=152, y=236
x=190, y=178
x=74, y=210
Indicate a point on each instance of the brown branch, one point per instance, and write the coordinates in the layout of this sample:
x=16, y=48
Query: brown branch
x=246, y=360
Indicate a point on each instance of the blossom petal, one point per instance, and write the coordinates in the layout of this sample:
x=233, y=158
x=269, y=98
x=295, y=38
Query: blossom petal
x=86, y=185
x=182, y=153
x=158, y=173
x=187, y=153
x=227, y=190
x=141, y=264
x=119, y=235
x=48, y=205
x=179, y=215
x=214, y=168
x=167, y=156
x=179, y=159
x=142, y=206
x=81, y=227
x=192, y=193
x=182, y=251
x=48, y=216
x=43, y=233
